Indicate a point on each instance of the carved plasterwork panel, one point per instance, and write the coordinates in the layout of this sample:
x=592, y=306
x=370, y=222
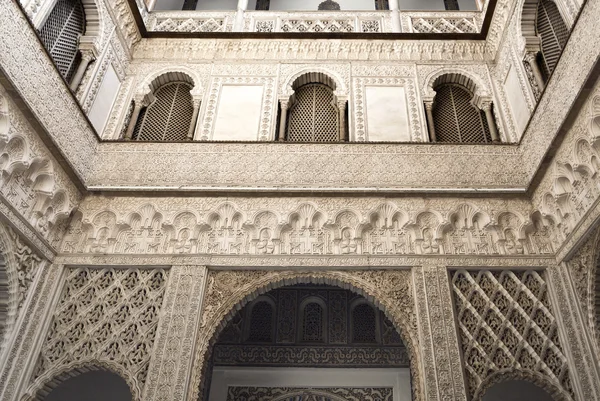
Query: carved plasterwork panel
x=32, y=180
x=267, y=112
x=390, y=290
x=413, y=104
x=310, y=394
x=330, y=226
x=505, y=322
x=106, y=315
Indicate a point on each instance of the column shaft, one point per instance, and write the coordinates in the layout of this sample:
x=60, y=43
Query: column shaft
x=283, y=119
x=134, y=117
x=430, y=124
x=81, y=69
x=491, y=123
x=194, y=119
x=394, y=9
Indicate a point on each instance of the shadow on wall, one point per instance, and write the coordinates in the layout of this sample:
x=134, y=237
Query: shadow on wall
x=516, y=390
x=91, y=386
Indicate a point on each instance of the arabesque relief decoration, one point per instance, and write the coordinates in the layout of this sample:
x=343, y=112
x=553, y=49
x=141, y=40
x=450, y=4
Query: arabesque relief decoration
x=390, y=290
x=104, y=316
x=384, y=230
x=506, y=322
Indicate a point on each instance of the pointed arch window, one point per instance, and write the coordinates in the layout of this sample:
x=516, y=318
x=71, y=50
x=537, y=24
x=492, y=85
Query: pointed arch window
x=553, y=31
x=60, y=35
x=169, y=116
x=456, y=119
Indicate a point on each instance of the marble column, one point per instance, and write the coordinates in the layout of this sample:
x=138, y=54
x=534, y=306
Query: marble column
x=87, y=57
x=239, y=17
x=283, y=118
x=342, y=119
x=534, y=69
x=487, y=108
x=195, y=114
x=430, y=124
x=394, y=10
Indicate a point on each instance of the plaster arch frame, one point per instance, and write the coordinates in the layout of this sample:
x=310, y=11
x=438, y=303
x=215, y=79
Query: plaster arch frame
x=215, y=317
x=93, y=20
x=482, y=89
x=8, y=252
x=55, y=377
x=145, y=86
x=527, y=15
x=554, y=390
x=287, y=89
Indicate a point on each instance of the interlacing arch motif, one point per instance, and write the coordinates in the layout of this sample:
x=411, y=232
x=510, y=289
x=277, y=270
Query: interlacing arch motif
x=107, y=316
x=54, y=378
x=505, y=321
x=557, y=393
x=229, y=291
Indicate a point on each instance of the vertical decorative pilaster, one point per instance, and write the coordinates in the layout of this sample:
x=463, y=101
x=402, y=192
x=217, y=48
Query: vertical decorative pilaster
x=443, y=373
x=342, y=119
x=585, y=375
x=173, y=351
x=29, y=333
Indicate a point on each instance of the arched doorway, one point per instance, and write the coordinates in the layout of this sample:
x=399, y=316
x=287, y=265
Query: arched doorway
x=94, y=385
x=306, y=342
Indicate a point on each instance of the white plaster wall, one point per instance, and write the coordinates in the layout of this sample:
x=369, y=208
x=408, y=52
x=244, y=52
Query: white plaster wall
x=107, y=93
x=516, y=100
x=238, y=113
x=223, y=377
x=387, y=114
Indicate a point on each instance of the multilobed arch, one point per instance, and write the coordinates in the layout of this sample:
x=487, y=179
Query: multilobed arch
x=166, y=110
x=459, y=111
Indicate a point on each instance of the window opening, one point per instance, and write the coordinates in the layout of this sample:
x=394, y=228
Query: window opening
x=314, y=117
x=60, y=35
x=261, y=323
x=364, y=324
x=553, y=31
x=312, y=329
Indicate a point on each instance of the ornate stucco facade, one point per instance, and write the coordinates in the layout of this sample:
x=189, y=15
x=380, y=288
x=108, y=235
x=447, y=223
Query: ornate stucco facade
x=131, y=256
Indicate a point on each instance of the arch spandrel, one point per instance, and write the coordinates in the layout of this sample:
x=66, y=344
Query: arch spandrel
x=229, y=291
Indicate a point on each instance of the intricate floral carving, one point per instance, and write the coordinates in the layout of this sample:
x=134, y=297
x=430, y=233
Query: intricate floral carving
x=310, y=394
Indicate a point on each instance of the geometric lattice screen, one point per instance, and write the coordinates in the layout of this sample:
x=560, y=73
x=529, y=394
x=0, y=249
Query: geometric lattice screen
x=554, y=33
x=505, y=321
x=314, y=117
x=4, y=298
x=60, y=35
x=169, y=117
x=456, y=119
x=106, y=315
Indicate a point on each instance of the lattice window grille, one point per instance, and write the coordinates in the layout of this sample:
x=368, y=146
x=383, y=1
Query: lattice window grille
x=382, y=4
x=106, y=314
x=364, y=323
x=554, y=33
x=263, y=5
x=169, y=117
x=456, y=119
x=505, y=321
x=60, y=35
x=451, y=5
x=314, y=116
x=261, y=323
x=312, y=327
